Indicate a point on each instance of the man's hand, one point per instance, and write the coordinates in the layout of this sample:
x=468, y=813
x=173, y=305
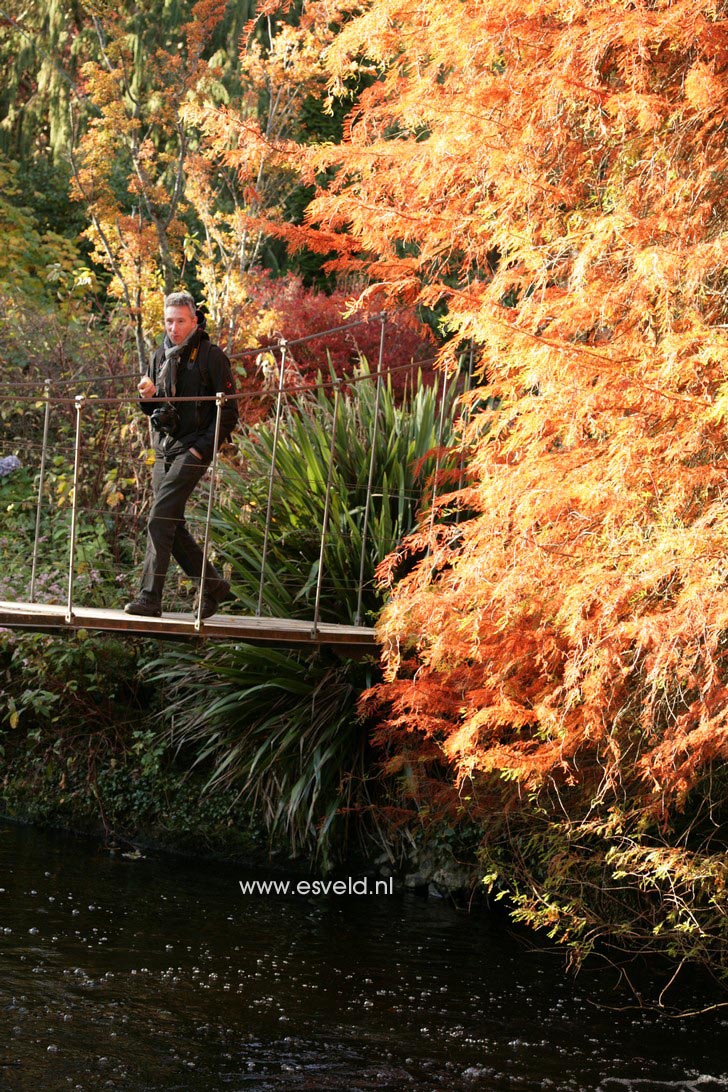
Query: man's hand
x=195, y=452
x=146, y=388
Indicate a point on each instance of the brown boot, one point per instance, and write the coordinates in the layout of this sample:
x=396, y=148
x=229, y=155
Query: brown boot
x=146, y=605
x=211, y=600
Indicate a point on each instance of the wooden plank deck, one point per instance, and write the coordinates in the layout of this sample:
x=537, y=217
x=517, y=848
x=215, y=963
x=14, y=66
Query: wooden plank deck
x=49, y=617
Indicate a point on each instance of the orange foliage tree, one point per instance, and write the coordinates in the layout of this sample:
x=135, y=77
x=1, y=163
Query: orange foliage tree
x=552, y=176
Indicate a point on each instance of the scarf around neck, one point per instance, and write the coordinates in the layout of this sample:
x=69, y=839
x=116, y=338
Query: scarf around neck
x=172, y=355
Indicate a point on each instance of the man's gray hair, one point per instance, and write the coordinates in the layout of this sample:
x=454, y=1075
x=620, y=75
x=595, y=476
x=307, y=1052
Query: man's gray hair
x=181, y=299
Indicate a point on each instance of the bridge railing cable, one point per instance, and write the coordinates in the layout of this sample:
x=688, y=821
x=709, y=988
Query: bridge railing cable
x=74, y=506
x=235, y=356
x=41, y=482
x=370, y=479
x=325, y=521
x=269, y=506
x=219, y=403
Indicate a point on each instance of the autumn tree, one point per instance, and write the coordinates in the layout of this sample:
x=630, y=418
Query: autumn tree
x=129, y=165
x=241, y=177
x=41, y=47
x=552, y=177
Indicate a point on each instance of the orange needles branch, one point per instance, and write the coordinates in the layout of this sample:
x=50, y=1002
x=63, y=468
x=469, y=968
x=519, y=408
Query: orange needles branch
x=554, y=182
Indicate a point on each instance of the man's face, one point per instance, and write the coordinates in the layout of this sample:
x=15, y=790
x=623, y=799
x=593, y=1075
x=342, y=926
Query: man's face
x=179, y=322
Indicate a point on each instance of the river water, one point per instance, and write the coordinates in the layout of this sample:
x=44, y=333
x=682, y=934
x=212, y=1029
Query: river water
x=158, y=974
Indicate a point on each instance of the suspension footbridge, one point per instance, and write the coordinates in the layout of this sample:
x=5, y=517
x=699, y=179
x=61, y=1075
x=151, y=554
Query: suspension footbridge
x=49, y=617
x=58, y=597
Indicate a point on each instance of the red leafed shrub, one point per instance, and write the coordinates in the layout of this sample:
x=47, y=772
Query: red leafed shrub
x=301, y=312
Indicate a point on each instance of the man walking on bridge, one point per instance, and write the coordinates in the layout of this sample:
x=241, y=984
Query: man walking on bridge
x=186, y=365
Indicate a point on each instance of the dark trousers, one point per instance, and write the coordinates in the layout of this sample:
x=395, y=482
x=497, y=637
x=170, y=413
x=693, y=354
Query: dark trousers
x=173, y=479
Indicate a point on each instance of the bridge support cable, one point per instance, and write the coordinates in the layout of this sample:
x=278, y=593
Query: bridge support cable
x=370, y=481
x=438, y=458
x=465, y=417
x=327, y=506
x=283, y=344
x=90, y=485
x=219, y=402
x=41, y=483
x=79, y=401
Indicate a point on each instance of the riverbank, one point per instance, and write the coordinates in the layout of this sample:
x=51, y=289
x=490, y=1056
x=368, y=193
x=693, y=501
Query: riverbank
x=88, y=746
x=133, y=810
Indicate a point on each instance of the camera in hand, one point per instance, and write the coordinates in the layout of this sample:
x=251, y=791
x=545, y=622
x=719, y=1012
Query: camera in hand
x=165, y=418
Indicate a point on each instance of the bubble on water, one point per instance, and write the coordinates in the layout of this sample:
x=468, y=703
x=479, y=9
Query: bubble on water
x=476, y=1073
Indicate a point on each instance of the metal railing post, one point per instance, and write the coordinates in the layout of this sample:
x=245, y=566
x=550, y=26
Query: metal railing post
x=41, y=482
x=276, y=432
x=465, y=418
x=370, y=482
x=440, y=431
x=327, y=505
x=80, y=399
x=219, y=401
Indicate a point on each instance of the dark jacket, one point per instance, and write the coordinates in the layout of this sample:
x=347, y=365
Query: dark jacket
x=196, y=426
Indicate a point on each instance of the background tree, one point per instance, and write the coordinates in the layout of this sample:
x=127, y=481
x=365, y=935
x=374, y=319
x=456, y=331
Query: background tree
x=41, y=46
x=241, y=183
x=129, y=166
